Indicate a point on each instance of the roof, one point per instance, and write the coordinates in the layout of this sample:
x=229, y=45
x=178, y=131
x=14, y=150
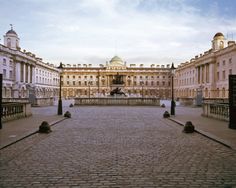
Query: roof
x=116, y=58
x=219, y=34
x=11, y=32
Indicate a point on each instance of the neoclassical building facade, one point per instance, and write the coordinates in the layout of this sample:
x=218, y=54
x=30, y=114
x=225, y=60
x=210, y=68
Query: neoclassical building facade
x=206, y=75
x=136, y=81
x=25, y=76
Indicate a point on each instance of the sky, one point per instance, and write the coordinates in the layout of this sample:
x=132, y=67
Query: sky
x=139, y=31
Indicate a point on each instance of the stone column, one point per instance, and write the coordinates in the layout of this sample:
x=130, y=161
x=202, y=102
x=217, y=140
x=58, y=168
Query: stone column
x=18, y=72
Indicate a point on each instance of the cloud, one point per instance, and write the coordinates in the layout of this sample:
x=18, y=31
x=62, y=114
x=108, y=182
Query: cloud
x=137, y=30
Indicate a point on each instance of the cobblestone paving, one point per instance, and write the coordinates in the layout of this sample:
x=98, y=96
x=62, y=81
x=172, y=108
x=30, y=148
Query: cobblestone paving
x=117, y=147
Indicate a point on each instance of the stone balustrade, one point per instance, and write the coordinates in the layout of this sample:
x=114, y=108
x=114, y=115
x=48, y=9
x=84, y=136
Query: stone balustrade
x=13, y=110
x=216, y=108
x=118, y=101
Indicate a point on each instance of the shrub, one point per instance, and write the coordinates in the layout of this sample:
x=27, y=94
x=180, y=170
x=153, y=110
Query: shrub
x=188, y=127
x=67, y=114
x=166, y=114
x=44, y=127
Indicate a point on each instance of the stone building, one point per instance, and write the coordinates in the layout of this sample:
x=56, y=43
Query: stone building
x=136, y=81
x=206, y=75
x=25, y=76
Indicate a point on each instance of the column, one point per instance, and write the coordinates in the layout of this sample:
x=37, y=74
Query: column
x=18, y=72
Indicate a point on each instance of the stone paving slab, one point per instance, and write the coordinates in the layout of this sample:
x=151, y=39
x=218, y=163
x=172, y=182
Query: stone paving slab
x=18, y=129
x=118, y=147
x=212, y=128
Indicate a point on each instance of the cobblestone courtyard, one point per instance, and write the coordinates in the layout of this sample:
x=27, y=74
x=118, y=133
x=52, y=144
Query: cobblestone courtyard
x=117, y=147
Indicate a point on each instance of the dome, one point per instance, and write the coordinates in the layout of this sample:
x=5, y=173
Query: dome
x=219, y=35
x=116, y=58
x=11, y=32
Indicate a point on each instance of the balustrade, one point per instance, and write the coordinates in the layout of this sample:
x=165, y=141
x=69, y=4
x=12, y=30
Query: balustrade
x=218, y=108
x=11, y=111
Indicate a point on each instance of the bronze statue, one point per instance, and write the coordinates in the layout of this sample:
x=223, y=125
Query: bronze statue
x=117, y=91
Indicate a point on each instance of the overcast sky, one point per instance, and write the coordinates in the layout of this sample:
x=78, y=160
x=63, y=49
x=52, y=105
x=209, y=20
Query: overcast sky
x=138, y=31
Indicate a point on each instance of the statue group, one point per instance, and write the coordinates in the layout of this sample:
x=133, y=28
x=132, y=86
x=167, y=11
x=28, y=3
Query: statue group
x=117, y=91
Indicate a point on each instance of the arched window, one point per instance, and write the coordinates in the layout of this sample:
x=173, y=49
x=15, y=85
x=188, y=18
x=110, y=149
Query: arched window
x=221, y=44
x=9, y=42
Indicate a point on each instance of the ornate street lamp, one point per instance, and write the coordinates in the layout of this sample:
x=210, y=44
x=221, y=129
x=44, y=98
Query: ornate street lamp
x=59, y=110
x=172, y=108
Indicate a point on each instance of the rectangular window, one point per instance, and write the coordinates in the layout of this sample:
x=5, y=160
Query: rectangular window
x=74, y=77
x=68, y=83
x=74, y=83
x=230, y=60
x=135, y=83
x=223, y=75
x=10, y=75
x=4, y=73
x=224, y=62
x=158, y=83
x=217, y=76
x=79, y=83
x=4, y=61
x=85, y=83
x=230, y=71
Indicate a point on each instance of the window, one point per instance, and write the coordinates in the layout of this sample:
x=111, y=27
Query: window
x=163, y=83
x=157, y=76
x=74, y=77
x=4, y=61
x=223, y=75
x=146, y=83
x=141, y=77
x=230, y=71
x=158, y=83
x=68, y=77
x=221, y=44
x=217, y=76
x=85, y=77
x=230, y=60
x=147, y=77
x=79, y=77
x=224, y=62
x=10, y=74
x=164, y=77
x=85, y=82
x=91, y=76
x=73, y=82
x=79, y=83
x=4, y=73
x=135, y=83
x=9, y=43
x=218, y=64
x=68, y=83
x=152, y=83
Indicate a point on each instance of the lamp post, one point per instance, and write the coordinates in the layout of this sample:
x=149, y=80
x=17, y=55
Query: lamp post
x=172, y=108
x=59, y=110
